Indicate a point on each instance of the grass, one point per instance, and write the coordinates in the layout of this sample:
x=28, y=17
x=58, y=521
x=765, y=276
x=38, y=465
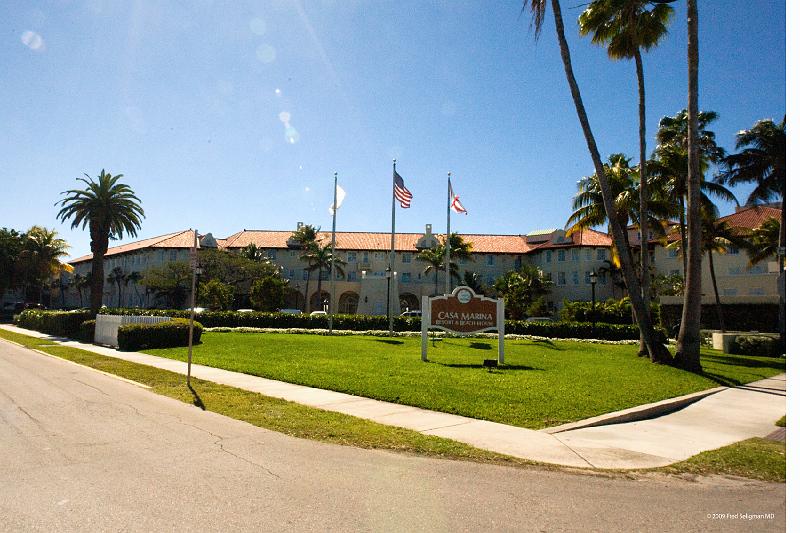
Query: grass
x=272, y=413
x=542, y=384
x=753, y=458
x=781, y=422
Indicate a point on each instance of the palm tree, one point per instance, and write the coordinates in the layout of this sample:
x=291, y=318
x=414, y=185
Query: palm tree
x=134, y=278
x=762, y=160
x=117, y=276
x=657, y=351
x=627, y=27
x=670, y=166
x=252, y=253
x=763, y=242
x=473, y=281
x=80, y=282
x=319, y=259
x=434, y=258
x=42, y=253
x=110, y=209
x=305, y=238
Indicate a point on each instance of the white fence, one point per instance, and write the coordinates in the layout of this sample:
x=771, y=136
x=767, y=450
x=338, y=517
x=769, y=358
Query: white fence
x=107, y=326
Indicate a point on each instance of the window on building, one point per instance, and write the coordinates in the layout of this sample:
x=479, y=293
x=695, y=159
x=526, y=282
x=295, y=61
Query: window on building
x=758, y=269
x=406, y=258
x=562, y=278
x=378, y=255
x=291, y=274
x=326, y=275
x=518, y=262
x=365, y=257
x=405, y=277
x=729, y=292
x=601, y=254
x=756, y=291
x=589, y=254
x=672, y=252
x=351, y=257
x=173, y=255
x=587, y=277
x=461, y=261
x=548, y=276
x=272, y=255
x=490, y=260
x=305, y=275
x=733, y=250
x=576, y=279
x=352, y=276
x=602, y=276
x=548, y=256
x=576, y=254
x=734, y=271
x=562, y=256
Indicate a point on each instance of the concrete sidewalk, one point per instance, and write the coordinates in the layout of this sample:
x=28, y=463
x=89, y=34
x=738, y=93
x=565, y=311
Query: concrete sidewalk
x=719, y=419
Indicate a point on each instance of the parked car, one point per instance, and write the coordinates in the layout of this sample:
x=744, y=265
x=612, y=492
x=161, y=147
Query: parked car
x=416, y=313
x=292, y=311
x=539, y=319
x=244, y=310
x=318, y=313
x=196, y=309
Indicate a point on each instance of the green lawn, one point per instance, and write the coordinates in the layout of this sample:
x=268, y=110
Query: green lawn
x=543, y=383
x=753, y=458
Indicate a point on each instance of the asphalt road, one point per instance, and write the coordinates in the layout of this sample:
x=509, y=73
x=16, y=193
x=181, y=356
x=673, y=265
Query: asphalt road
x=83, y=451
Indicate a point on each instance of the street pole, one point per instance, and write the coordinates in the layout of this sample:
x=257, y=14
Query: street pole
x=333, y=255
x=388, y=293
x=193, y=264
x=447, y=242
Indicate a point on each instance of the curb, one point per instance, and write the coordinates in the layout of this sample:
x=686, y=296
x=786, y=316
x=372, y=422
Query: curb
x=640, y=412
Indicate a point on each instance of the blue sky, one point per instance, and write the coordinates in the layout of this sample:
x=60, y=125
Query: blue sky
x=232, y=115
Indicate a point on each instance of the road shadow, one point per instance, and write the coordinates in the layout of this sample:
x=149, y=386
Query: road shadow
x=198, y=401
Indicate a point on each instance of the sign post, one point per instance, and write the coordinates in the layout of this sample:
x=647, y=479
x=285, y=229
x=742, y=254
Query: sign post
x=462, y=312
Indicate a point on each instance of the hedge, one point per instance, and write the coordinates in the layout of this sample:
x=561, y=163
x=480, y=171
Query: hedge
x=175, y=332
x=610, y=311
x=738, y=317
x=86, y=331
x=761, y=345
x=58, y=323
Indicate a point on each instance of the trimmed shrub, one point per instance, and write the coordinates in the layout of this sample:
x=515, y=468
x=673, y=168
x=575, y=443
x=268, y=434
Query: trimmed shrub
x=86, y=331
x=58, y=323
x=760, y=345
x=233, y=319
x=738, y=317
x=133, y=337
x=609, y=312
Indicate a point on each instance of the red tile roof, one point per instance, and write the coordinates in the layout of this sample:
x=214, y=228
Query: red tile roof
x=751, y=217
x=179, y=239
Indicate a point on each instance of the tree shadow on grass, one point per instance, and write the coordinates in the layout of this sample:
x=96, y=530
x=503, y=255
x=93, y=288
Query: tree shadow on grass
x=389, y=341
x=480, y=365
x=480, y=345
x=542, y=343
x=198, y=401
x=762, y=362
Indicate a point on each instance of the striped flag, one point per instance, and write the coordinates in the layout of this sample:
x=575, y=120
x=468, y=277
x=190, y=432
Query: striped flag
x=455, y=203
x=402, y=194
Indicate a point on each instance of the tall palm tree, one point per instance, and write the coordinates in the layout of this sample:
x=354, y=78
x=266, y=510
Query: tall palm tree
x=319, y=259
x=658, y=352
x=434, y=259
x=252, y=253
x=670, y=167
x=763, y=242
x=117, y=277
x=627, y=27
x=42, y=253
x=134, y=278
x=110, y=209
x=80, y=282
x=305, y=238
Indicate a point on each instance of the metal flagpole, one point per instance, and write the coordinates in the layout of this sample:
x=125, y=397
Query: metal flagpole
x=447, y=242
x=333, y=255
x=389, y=309
x=193, y=263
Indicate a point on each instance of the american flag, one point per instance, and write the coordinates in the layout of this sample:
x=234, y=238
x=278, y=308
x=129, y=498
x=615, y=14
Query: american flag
x=402, y=194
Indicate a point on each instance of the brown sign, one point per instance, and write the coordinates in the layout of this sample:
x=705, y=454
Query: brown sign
x=463, y=312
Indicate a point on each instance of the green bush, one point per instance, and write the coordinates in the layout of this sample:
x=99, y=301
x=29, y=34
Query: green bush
x=609, y=312
x=86, y=331
x=760, y=345
x=578, y=330
x=133, y=337
x=58, y=323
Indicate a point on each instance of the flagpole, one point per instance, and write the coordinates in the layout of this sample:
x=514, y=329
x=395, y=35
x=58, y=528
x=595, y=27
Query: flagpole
x=389, y=310
x=447, y=242
x=333, y=254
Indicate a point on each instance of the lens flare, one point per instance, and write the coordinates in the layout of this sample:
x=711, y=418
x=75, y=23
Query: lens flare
x=32, y=40
x=266, y=53
x=258, y=26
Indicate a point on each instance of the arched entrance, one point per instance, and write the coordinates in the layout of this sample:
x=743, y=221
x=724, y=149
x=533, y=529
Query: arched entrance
x=408, y=302
x=348, y=303
x=316, y=304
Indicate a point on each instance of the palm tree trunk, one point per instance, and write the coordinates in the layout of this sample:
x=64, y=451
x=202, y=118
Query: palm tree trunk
x=720, y=315
x=305, y=296
x=688, y=349
x=658, y=352
x=436, y=281
x=643, y=212
x=683, y=235
x=99, y=246
x=319, y=290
